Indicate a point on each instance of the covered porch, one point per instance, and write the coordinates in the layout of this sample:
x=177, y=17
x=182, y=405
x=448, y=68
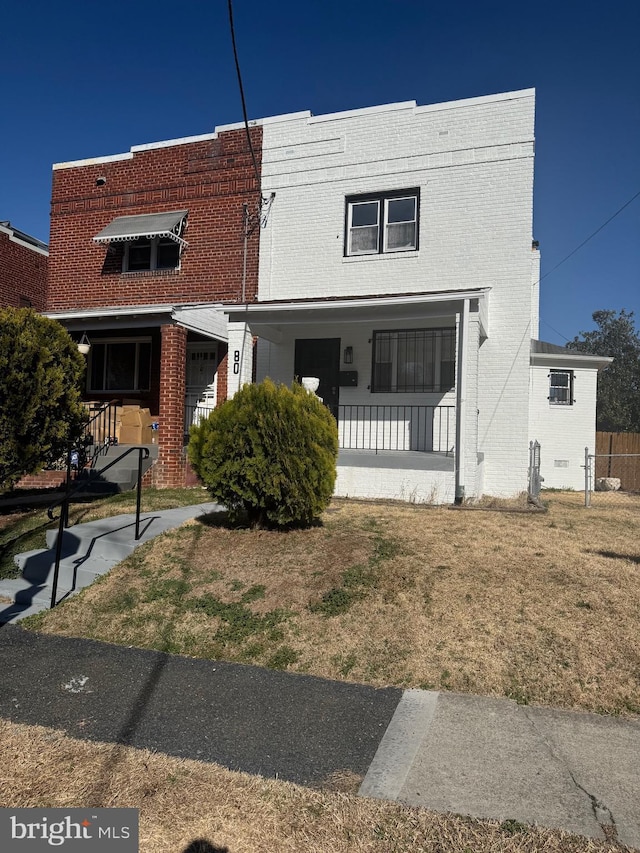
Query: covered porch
x=398, y=372
x=163, y=359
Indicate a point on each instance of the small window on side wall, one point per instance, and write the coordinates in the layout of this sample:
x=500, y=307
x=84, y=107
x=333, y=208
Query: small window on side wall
x=561, y=387
x=380, y=223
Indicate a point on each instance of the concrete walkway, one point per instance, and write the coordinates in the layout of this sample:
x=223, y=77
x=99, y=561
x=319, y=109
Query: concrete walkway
x=487, y=758
x=88, y=551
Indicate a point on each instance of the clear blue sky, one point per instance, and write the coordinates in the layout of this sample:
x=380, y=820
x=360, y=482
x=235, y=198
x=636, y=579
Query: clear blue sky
x=83, y=79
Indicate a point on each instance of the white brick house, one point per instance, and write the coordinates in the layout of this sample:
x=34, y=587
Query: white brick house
x=397, y=265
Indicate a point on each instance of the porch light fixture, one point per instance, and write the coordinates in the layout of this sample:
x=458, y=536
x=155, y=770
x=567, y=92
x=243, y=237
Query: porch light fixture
x=84, y=344
x=348, y=355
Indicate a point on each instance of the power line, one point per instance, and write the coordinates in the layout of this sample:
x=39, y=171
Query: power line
x=244, y=106
x=584, y=242
x=590, y=237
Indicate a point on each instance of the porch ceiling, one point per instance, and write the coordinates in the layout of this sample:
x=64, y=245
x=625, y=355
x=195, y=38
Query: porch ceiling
x=266, y=319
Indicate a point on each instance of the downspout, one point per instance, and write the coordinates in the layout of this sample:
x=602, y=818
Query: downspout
x=461, y=401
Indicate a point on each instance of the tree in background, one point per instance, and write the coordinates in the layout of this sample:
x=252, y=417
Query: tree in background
x=268, y=454
x=618, y=408
x=40, y=398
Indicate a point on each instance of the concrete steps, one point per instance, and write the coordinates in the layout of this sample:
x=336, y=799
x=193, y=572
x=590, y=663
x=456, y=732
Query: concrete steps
x=121, y=477
x=88, y=551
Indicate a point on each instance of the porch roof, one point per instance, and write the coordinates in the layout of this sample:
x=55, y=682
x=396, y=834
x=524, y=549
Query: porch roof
x=205, y=319
x=545, y=354
x=265, y=317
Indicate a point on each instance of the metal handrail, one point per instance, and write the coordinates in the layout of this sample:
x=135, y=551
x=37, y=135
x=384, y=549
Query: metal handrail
x=143, y=453
x=106, y=415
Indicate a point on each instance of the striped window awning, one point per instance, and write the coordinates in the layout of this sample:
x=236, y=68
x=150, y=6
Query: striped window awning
x=127, y=228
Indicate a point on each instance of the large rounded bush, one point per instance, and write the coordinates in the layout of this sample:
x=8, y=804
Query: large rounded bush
x=40, y=398
x=268, y=453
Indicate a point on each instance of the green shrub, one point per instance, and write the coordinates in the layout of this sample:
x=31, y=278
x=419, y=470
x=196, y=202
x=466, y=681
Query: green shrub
x=40, y=400
x=269, y=454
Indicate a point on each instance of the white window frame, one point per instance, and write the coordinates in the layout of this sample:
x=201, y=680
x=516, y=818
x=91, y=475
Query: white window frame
x=568, y=388
x=136, y=368
x=153, y=255
x=382, y=199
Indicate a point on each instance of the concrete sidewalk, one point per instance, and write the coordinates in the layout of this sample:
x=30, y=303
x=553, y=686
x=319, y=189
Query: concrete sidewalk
x=488, y=758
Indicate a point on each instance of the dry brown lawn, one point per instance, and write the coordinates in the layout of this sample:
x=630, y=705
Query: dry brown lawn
x=540, y=607
x=181, y=801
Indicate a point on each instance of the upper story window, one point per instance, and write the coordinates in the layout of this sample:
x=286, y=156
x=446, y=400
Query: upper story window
x=382, y=222
x=561, y=387
x=150, y=241
x=157, y=253
x=409, y=360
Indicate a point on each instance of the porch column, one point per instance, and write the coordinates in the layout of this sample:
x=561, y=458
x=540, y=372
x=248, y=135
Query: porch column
x=239, y=357
x=169, y=472
x=466, y=451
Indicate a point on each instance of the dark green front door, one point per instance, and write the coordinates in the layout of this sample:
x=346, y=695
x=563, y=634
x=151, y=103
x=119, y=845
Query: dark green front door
x=320, y=357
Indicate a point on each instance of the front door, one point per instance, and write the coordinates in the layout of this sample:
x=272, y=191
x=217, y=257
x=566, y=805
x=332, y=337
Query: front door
x=320, y=357
x=202, y=362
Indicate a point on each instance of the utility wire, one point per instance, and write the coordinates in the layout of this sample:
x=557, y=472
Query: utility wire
x=571, y=254
x=244, y=106
x=590, y=237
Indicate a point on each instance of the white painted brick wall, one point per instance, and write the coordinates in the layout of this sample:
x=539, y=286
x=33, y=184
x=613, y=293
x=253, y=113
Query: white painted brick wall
x=240, y=357
x=473, y=162
x=563, y=431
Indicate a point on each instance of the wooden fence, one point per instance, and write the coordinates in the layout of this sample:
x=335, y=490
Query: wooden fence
x=627, y=468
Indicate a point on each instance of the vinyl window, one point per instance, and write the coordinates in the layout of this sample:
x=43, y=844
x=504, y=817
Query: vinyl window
x=382, y=223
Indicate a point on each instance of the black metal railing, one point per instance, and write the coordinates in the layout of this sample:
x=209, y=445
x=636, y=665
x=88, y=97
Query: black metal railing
x=193, y=415
x=100, y=430
x=428, y=429
x=69, y=492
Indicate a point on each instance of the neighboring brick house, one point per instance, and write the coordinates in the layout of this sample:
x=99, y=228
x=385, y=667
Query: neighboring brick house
x=146, y=247
x=23, y=269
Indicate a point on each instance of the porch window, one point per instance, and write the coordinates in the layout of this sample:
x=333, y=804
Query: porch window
x=561, y=388
x=120, y=365
x=413, y=360
x=382, y=222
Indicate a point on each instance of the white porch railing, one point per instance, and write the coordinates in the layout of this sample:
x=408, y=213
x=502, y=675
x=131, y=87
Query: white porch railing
x=429, y=429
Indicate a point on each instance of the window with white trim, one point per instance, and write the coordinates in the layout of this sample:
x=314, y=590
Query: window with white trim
x=413, y=360
x=561, y=387
x=151, y=253
x=120, y=364
x=380, y=223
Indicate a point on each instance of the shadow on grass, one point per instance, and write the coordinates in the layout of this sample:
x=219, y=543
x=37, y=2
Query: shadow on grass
x=201, y=845
x=126, y=736
x=613, y=555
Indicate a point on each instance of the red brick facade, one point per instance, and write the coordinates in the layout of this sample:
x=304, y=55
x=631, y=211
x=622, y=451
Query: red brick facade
x=170, y=467
x=23, y=270
x=212, y=179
